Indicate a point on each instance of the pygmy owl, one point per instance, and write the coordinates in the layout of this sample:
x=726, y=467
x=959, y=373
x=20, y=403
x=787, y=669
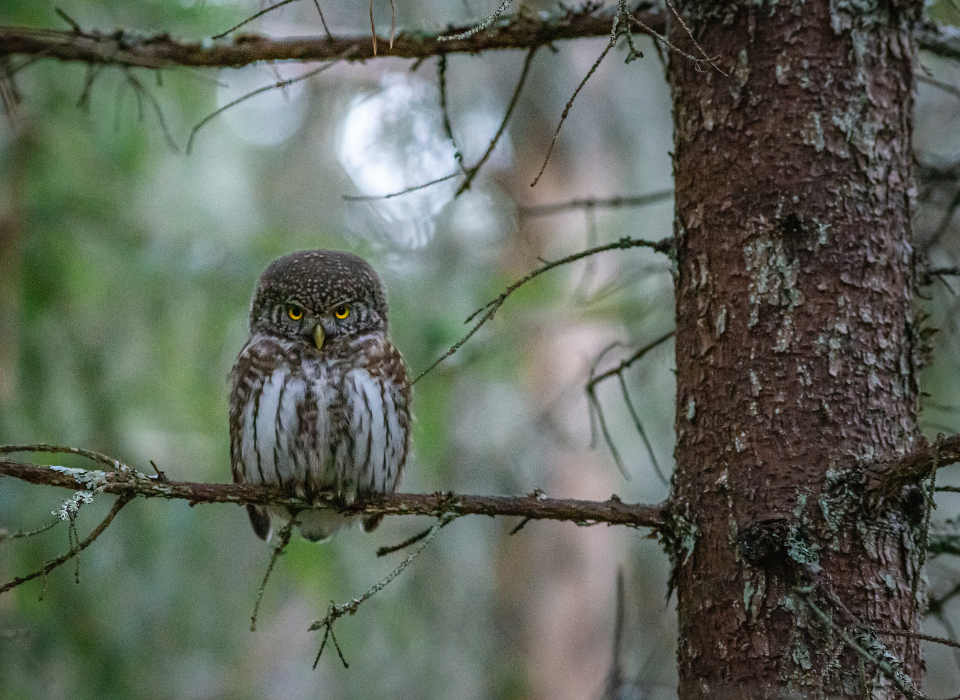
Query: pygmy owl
x=321, y=398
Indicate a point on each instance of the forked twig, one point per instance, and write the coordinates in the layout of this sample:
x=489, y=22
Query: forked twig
x=712, y=62
x=140, y=90
x=337, y=610
x=74, y=550
x=629, y=361
x=597, y=418
x=904, y=683
x=472, y=172
x=492, y=307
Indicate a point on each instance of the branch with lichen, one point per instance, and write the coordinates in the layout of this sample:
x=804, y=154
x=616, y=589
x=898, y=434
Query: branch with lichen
x=518, y=31
x=163, y=51
x=131, y=483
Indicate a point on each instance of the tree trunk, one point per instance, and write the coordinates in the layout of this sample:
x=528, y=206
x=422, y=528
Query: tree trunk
x=795, y=330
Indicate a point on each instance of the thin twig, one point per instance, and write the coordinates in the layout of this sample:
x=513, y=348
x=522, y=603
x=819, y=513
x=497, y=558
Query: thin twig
x=597, y=410
x=566, y=109
x=469, y=172
x=492, y=307
x=384, y=551
x=69, y=20
x=593, y=369
x=373, y=34
x=335, y=611
x=478, y=28
x=630, y=360
x=637, y=201
x=643, y=434
x=284, y=540
x=946, y=87
x=280, y=84
x=56, y=449
x=393, y=21
x=522, y=524
x=139, y=89
x=326, y=29
x=444, y=108
x=919, y=635
x=615, y=675
x=252, y=17
x=904, y=683
x=408, y=190
x=666, y=42
x=75, y=550
x=472, y=172
x=937, y=271
x=30, y=533
x=93, y=71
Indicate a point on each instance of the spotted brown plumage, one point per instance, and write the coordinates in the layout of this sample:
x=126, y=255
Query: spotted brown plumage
x=321, y=397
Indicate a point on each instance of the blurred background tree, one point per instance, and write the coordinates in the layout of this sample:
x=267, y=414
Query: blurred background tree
x=126, y=268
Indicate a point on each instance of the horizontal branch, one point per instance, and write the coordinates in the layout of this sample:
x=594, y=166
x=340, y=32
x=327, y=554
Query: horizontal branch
x=886, y=479
x=509, y=32
x=127, y=482
x=163, y=51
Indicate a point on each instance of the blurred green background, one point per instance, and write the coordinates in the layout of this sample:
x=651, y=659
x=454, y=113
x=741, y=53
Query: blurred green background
x=126, y=269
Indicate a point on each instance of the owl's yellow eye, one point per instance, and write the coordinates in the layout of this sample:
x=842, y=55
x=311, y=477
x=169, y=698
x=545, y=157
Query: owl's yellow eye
x=342, y=311
x=295, y=313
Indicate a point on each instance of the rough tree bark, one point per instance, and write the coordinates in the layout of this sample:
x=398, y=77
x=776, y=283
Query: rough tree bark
x=795, y=347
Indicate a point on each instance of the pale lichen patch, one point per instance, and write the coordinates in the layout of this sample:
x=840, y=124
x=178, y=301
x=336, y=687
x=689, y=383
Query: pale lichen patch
x=773, y=281
x=811, y=132
x=92, y=479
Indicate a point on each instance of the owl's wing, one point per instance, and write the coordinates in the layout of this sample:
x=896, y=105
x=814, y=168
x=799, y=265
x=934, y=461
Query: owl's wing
x=239, y=399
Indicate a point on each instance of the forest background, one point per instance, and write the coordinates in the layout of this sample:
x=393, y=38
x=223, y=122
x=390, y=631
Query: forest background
x=126, y=268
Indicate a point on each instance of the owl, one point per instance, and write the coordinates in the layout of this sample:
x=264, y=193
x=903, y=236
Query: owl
x=320, y=398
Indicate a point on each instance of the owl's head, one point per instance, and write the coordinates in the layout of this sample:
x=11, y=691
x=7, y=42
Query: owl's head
x=320, y=297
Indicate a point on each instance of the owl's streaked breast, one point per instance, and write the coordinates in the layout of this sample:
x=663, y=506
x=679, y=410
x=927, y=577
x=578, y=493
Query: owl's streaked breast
x=312, y=423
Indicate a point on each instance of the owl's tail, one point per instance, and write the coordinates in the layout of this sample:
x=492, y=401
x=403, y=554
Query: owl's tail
x=319, y=525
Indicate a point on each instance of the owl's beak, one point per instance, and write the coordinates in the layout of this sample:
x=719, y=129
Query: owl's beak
x=319, y=336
